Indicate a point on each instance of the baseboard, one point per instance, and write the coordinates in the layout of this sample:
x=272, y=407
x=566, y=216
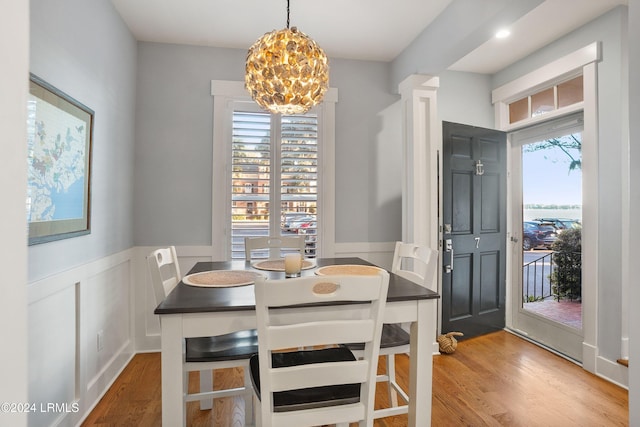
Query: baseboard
x=613, y=371
x=589, y=357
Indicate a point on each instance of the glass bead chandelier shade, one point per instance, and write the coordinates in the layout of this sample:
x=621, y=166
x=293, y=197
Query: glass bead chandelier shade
x=286, y=72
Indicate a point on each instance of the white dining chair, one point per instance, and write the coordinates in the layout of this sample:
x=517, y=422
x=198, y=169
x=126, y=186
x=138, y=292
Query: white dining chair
x=275, y=244
x=205, y=354
x=416, y=263
x=326, y=384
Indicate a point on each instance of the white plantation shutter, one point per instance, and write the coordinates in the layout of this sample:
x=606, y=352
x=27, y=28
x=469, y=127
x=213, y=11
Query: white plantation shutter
x=274, y=178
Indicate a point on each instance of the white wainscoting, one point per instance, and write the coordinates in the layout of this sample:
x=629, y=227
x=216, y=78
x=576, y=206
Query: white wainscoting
x=378, y=253
x=66, y=312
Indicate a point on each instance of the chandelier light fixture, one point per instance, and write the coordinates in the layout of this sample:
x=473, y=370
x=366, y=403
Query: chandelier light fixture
x=286, y=71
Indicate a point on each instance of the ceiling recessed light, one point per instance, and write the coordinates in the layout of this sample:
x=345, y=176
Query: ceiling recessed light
x=503, y=34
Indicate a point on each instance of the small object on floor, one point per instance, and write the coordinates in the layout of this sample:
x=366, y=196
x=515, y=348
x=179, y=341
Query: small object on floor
x=448, y=343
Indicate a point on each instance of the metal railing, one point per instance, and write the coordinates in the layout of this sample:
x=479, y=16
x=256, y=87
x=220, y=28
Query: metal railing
x=538, y=280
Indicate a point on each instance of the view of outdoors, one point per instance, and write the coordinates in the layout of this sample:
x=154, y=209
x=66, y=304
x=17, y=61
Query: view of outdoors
x=552, y=228
x=274, y=178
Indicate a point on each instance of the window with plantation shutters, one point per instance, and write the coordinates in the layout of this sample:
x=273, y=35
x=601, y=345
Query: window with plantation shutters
x=274, y=178
x=271, y=174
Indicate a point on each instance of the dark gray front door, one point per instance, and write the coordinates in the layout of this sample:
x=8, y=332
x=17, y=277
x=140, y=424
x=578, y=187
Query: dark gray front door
x=474, y=222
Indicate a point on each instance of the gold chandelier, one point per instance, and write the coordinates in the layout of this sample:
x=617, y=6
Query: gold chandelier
x=286, y=71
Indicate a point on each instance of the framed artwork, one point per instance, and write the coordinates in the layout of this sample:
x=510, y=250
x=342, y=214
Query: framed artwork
x=59, y=136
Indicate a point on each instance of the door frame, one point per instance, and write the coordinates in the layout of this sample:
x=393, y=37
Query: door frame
x=583, y=61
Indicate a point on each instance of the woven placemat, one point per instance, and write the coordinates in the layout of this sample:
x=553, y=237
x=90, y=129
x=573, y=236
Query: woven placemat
x=221, y=278
x=278, y=264
x=349, y=269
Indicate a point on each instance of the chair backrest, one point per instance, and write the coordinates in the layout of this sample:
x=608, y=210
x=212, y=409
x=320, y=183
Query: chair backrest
x=164, y=270
x=415, y=262
x=275, y=244
x=307, y=327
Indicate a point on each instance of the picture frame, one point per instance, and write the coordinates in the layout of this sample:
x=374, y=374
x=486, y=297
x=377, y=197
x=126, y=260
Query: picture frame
x=59, y=141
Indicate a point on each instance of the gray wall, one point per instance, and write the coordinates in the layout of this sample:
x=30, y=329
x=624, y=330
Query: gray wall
x=84, y=49
x=465, y=98
x=174, y=114
x=367, y=210
x=612, y=87
x=174, y=145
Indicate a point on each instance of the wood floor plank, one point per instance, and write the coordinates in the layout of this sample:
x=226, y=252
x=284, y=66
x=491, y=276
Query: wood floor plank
x=494, y=380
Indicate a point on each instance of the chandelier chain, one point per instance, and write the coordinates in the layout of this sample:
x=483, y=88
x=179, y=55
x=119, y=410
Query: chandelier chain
x=287, y=14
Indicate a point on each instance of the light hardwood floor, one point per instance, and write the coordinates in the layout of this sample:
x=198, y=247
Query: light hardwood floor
x=493, y=380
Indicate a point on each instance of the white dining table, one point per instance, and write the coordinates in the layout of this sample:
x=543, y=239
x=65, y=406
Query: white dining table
x=190, y=311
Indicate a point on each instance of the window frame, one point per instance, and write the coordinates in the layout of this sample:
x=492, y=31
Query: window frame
x=226, y=94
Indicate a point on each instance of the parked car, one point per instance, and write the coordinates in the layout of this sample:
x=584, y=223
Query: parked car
x=536, y=234
x=290, y=219
x=304, y=222
x=561, y=223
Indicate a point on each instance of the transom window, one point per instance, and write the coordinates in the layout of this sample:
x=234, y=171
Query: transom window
x=544, y=101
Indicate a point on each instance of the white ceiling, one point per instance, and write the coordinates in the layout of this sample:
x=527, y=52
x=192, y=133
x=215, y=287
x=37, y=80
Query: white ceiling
x=355, y=29
x=544, y=24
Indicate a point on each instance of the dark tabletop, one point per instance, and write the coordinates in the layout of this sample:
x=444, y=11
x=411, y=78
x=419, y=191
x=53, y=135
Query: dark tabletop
x=192, y=299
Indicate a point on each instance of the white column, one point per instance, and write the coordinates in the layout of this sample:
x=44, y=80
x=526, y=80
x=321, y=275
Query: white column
x=422, y=147
x=421, y=144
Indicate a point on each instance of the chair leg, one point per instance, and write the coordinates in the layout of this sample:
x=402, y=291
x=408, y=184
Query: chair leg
x=248, y=397
x=206, y=384
x=391, y=373
x=257, y=411
x=185, y=390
